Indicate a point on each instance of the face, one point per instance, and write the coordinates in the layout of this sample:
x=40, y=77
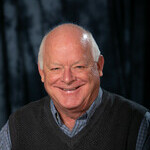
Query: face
x=70, y=75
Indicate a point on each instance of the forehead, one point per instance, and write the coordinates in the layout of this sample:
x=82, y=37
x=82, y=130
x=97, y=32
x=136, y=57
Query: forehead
x=64, y=44
x=68, y=34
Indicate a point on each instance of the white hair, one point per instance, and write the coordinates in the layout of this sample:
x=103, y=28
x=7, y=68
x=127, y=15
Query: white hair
x=95, y=49
x=40, y=54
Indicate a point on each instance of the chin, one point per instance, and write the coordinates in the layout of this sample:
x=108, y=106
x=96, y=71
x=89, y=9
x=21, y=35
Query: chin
x=71, y=103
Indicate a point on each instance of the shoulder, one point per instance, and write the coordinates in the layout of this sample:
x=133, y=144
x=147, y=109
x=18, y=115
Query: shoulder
x=123, y=104
x=33, y=108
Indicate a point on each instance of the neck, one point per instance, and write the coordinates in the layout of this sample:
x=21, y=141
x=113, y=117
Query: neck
x=69, y=122
x=69, y=118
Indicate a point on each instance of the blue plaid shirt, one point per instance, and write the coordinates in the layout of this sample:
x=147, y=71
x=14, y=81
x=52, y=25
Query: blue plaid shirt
x=81, y=121
x=5, y=141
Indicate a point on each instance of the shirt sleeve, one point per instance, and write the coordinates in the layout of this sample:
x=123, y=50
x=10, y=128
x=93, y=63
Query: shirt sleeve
x=5, y=142
x=144, y=133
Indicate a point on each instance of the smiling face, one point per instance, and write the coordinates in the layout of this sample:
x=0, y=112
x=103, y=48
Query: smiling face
x=70, y=75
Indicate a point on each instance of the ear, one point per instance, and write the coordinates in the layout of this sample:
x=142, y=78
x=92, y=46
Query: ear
x=41, y=73
x=100, y=65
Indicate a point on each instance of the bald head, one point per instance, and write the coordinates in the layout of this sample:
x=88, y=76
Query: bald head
x=68, y=34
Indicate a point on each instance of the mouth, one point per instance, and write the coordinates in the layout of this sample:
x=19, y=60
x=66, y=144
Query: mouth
x=69, y=89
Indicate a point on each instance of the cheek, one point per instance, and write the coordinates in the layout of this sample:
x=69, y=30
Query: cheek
x=95, y=72
x=94, y=81
x=94, y=75
x=50, y=79
x=91, y=78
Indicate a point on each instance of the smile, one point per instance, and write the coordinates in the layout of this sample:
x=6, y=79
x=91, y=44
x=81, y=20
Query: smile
x=69, y=89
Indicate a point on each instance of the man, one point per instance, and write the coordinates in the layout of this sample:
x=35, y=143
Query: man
x=77, y=114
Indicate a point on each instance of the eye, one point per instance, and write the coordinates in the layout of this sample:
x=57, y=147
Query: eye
x=80, y=67
x=54, y=69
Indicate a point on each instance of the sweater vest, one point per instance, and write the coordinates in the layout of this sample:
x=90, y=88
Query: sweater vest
x=113, y=126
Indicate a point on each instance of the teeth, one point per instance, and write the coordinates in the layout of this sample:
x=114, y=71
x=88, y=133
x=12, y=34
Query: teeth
x=69, y=89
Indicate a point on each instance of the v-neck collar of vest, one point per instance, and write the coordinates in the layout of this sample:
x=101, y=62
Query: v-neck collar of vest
x=74, y=141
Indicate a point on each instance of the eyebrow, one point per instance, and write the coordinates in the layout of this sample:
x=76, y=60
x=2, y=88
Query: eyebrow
x=77, y=62
x=56, y=64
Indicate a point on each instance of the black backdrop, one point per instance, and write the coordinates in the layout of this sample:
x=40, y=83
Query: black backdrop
x=120, y=27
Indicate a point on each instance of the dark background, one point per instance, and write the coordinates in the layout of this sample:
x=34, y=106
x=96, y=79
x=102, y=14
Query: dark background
x=120, y=28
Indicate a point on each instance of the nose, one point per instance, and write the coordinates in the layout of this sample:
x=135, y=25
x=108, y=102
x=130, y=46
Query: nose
x=68, y=76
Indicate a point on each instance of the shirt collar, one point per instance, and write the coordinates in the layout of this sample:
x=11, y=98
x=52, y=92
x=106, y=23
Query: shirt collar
x=86, y=116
